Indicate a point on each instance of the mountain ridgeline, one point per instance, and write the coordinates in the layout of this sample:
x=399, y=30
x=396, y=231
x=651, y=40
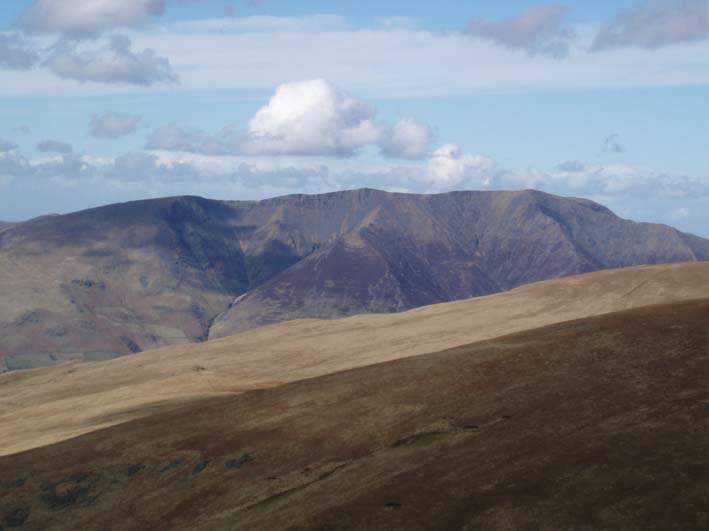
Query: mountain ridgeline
x=128, y=277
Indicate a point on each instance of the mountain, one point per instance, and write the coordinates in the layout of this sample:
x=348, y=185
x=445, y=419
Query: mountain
x=598, y=423
x=129, y=277
x=48, y=405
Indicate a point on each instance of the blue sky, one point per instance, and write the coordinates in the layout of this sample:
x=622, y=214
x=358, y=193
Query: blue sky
x=441, y=15
x=248, y=99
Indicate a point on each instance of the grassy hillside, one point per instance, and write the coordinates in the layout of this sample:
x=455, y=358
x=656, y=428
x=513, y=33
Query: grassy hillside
x=45, y=406
x=598, y=423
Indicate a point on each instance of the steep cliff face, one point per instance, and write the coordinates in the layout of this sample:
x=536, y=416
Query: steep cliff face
x=128, y=277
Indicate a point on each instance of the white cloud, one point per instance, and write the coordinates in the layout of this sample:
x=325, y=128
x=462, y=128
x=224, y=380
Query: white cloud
x=537, y=30
x=115, y=62
x=83, y=18
x=449, y=167
x=656, y=24
x=311, y=118
x=113, y=124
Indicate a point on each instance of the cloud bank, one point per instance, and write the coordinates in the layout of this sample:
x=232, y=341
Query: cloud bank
x=447, y=168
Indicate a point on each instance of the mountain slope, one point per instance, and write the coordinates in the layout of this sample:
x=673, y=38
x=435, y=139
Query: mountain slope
x=417, y=250
x=135, y=276
x=592, y=424
x=44, y=406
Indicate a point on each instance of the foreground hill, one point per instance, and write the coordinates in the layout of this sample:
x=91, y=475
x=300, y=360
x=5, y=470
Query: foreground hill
x=45, y=406
x=593, y=424
x=135, y=276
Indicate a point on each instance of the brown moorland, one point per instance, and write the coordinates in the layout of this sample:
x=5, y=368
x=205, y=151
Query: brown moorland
x=45, y=406
x=598, y=423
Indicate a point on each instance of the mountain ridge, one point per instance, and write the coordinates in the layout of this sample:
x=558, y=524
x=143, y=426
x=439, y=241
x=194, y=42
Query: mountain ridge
x=139, y=275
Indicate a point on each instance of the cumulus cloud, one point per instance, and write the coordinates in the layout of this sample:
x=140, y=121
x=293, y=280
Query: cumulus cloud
x=16, y=54
x=305, y=118
x=86, y=18
x=537, y=30
x=611, y=145
x=115, y=62
x=113, y=124
x=54, y=146
x=312, y=118
x=656, y=24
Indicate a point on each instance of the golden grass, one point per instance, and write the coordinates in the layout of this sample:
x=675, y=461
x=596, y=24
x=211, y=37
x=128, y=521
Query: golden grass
x=44, y=406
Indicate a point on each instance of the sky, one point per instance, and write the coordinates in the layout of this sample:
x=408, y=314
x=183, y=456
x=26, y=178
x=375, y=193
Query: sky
x=114, y=100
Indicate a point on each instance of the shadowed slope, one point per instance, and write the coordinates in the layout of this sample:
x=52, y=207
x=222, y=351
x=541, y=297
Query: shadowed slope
x=592, y=424
x=48, y=405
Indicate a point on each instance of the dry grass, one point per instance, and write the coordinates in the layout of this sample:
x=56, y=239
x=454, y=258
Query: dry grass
x=593, y=424
x=44, y=406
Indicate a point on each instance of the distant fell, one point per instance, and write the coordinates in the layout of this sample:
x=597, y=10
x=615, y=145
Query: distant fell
x=134, y=276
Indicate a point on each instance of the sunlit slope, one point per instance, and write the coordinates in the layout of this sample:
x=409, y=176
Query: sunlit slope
x=598, y=423
x=48, y=405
